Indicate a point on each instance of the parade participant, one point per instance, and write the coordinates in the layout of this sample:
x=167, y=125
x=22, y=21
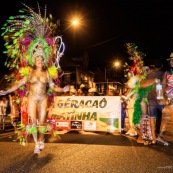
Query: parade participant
x=36, y=48
x=123, y=111
x=139, y=88
x=15, y=111
x=148, y=121
x=4, y=107
x=1, y=114
x=93, y=92
x=155, y=106
x=72, y=91
x=167, y=84
x=111, y=91
x=82, y=91
x=134, y=75
x=130, y=100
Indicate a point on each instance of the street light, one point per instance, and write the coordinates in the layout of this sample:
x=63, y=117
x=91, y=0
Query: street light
x=73, y=22
x=117, y=64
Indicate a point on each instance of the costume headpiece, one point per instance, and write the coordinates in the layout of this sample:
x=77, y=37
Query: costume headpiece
x=72, y=89
x=92, y=90
x=136, y=56
x=38, y=50
x=171, y=57
x=30, y=34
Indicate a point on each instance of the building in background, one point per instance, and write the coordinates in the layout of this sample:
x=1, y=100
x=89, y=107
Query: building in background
x=77, y=72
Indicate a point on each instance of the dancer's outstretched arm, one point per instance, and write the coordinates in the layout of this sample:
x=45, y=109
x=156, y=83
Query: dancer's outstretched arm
x=14, y=87
x=56, y=88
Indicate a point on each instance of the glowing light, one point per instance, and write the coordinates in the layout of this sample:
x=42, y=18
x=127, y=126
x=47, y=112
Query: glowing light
x=117, y=64
x=75, y=22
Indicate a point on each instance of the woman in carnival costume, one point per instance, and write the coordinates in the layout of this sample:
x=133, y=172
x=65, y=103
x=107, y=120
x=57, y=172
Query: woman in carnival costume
x=139, y=87
x=134, y=75
x=167, y=83
x=33, y=50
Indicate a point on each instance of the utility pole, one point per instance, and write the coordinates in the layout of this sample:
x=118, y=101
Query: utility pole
x=105, y=74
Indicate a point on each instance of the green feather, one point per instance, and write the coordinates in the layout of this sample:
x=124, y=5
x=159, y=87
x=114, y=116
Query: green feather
x=50, y=15
x=5, y=24
x=53, y=72
x=21, y=11
x=11, y=17
x=11, y=30
x=27, y=22
x=17, y=34
x=24, y=71
x=3, y=28
x=14, y=41
x=4, y=52
x=6, y=44
x=142, y=94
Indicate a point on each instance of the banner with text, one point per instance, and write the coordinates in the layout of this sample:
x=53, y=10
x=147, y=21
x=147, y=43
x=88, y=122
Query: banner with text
x=88, y=113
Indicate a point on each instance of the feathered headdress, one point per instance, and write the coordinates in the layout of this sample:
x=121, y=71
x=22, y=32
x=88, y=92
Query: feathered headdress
x=137, y=71
x=30, y=34
x=138, y=65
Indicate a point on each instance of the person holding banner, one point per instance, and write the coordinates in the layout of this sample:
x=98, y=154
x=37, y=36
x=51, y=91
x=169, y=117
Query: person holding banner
x=82, y=91
x=36, y=58
x=129, y=113
x=4, y=105
x=15, y=111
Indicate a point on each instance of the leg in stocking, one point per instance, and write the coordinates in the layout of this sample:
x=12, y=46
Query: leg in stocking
x=35, y=134
x=129, y=113
x=166, y=113
x=163, y=126
x=0, y=121
x=144, y=125
x=42, y=131
x=42, y=106
x=3, y=125
x=32, y=113
x=165, y=119
x=153, y=129
x=139, y=139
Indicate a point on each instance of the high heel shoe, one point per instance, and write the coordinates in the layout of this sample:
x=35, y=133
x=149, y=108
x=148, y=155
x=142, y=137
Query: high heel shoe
x=37, y=150
x=161, y=140
x=41, y=145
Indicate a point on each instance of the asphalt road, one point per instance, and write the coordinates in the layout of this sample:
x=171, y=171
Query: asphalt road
x=84, y=153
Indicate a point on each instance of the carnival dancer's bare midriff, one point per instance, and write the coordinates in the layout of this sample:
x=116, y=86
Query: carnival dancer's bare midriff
x=37, y=90
x=37, y=85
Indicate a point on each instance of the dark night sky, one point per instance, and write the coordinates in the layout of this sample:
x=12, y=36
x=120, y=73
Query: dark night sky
x=107, y=26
